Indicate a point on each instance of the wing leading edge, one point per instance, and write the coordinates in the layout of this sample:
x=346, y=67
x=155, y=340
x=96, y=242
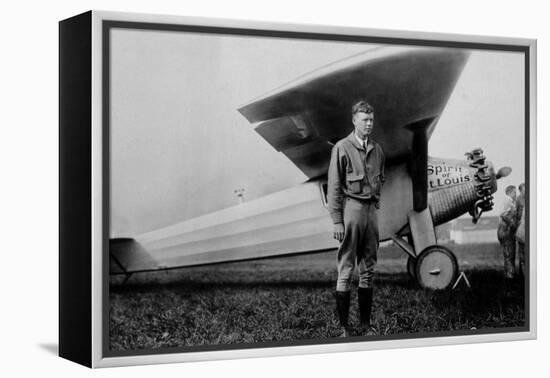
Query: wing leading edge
x=404, y=84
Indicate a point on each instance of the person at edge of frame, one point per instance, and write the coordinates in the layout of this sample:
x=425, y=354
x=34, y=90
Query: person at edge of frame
x=520, y=232
x=355, y=178
x=506, y=232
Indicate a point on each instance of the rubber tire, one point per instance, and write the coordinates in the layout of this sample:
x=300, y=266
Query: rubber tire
x=436, y=258
x=411, y=267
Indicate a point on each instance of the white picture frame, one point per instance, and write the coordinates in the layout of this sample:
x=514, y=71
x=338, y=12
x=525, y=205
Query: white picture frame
x=85, y=339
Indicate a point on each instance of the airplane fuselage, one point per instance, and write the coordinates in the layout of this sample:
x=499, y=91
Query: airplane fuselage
x=296, y=220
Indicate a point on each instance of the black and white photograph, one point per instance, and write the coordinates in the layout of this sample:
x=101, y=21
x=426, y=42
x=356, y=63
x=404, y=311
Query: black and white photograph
x=275, y=188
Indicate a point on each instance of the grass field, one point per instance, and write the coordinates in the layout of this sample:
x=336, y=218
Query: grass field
x=286, y=299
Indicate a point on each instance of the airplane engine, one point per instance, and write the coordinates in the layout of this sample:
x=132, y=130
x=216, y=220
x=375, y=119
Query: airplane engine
x=457, y=187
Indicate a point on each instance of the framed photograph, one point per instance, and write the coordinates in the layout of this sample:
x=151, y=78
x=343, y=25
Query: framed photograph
x=235, y=189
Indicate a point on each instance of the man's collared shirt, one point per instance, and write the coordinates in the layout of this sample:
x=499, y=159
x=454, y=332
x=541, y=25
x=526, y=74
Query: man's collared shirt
x=362, y=142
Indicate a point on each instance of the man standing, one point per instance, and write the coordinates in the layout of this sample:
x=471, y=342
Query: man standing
x=506, y=233
x=520, y=232
x=355, y=177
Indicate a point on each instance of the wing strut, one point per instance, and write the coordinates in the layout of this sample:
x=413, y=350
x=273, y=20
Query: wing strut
x=419, y=162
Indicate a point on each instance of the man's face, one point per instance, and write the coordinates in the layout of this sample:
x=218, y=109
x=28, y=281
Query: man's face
x=364, y=123
x=513, y=194
x=522, y=190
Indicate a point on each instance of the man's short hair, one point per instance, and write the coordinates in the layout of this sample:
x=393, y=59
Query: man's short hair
x=510, y=189
x=361, y=106
x=521, y=186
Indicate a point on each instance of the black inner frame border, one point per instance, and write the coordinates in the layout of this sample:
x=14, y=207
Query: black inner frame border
x=108, y=25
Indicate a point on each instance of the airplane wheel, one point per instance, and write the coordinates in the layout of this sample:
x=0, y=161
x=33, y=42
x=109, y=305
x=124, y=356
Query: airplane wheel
x=411, y=265
x=436, y=268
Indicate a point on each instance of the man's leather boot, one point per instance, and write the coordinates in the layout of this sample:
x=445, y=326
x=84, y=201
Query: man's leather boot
x=365, y=308
x=342, y=307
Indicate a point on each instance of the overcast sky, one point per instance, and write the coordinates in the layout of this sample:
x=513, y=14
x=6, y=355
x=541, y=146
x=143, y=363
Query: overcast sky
x=179, y=147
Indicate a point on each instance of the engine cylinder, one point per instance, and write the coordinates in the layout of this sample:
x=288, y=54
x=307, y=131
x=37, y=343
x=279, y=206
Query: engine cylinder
x=451, y=202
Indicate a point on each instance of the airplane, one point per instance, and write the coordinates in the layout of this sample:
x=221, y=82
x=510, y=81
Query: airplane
x=409, y=88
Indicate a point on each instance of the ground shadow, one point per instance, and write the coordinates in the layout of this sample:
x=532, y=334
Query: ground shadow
x=50, y=348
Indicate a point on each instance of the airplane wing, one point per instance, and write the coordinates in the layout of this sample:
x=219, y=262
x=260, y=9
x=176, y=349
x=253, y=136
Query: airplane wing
x=406, y=86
